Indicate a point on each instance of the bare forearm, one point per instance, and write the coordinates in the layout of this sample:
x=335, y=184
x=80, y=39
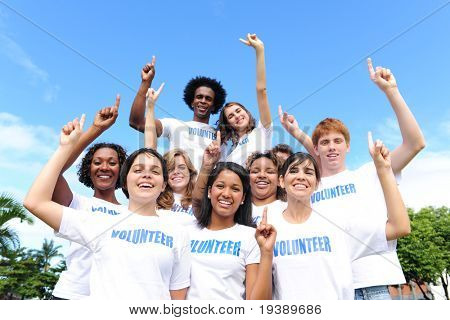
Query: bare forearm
x=150, y=136
x=413, y=139
x=39, y=198
x=137, y=113
x=260, y=70
x=398, y=224
x=306, y=141
x=261, y=89
x=199, y=189
x=262, y=289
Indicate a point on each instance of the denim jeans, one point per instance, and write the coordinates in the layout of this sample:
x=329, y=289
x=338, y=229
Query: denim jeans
x=373, y=293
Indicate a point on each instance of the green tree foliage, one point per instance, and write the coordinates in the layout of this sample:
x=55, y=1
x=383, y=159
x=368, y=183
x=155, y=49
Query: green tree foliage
x=46, y=254
x=10, y=209
x=26, y=274
x=424, y=254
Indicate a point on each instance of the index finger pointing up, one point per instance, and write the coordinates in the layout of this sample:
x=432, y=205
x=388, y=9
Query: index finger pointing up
x=218, y=137
x=370, y=139
x=82, y=120
x=370, y=67
x=264, y=216
x=117, y=101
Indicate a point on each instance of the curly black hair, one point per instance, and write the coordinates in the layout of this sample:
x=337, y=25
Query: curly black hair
x=84, y=168
x=219, y=92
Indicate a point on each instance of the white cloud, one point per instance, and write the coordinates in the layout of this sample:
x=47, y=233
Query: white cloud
x=32, y=236
x=15, y=53
x=51, y=94
x=425, y=181
x=23, y=139
x=445, y=128
x=389, y=132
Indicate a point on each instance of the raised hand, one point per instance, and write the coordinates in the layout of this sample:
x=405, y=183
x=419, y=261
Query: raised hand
x=71, y=132
x=265, y=234
x=382, y=77
x=212, y=153
x=253, y=41
x=106, y=117
x=153, y=95
x=288, y=121
x=148, y=71
x=379, y=153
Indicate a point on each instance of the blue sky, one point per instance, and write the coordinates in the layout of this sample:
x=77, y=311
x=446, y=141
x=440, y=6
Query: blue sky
x=44, y=84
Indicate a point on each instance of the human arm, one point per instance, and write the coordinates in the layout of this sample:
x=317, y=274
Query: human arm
x=39, y=198
x=413, y=139
x=261, y=85
x=178, y=294
x=290, y=124
x=398, y=224
x=103, y=120
x=210, y=158
x=137, y=112
x=150, y=134
x=261, y=286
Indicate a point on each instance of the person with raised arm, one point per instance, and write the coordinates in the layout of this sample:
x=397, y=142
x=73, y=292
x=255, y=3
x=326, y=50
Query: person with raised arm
x=241, y=135
x=177, y=196
x=99, y=169
x=340, y=187
x=228, y=263
x=150, y=135
x=136, y=254
x=264, y=170
x=313, y=255
x=203, y=95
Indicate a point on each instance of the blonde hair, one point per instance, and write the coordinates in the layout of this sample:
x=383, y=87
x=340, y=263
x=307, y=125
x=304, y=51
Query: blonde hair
x=166, y=199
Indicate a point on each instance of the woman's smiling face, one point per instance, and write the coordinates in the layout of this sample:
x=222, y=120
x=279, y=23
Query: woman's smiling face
x=226, y=194
x=145, y=180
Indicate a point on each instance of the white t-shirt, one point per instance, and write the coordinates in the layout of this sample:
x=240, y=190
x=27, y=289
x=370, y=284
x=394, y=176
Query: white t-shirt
x=134, y=256
x=219, y=260
x=276, y=207
x=259, y=139
x=191, y=136
x=359, y=192
x=312, y=260
x=178, y=208
x=73, y=283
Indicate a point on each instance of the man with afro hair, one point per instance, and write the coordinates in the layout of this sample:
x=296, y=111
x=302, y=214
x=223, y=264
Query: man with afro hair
x=203, y=95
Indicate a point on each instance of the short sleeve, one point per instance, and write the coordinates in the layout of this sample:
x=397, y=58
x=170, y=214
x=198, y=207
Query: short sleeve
x=266, y=136
x=375, y=203
x=168, y=126
x=253, y=255
x=81, y=227
x=366, y=237
x=76, y=201
x=181, y=270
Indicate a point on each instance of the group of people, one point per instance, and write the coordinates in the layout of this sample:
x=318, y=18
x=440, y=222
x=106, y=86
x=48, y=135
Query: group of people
x=224, y=214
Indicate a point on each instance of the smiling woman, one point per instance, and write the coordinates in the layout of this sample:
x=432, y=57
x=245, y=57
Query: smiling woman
x=135, y=254
x=324, y=248
x=177, y=196
x=241, y=136
x=98, y=170
x=227, y=261
x=264, y=170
